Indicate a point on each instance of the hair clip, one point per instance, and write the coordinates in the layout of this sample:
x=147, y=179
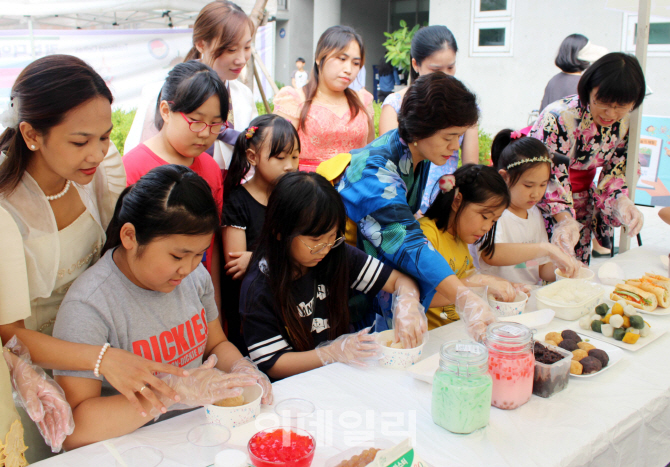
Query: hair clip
x=516, y=134
x=524, y=161
x=250, y=132
x=447, y=183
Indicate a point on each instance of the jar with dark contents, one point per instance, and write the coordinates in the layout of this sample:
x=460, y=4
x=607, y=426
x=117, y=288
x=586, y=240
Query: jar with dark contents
x=511, y=364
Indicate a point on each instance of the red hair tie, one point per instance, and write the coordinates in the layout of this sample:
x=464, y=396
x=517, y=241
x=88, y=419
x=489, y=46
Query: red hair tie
x=250, y=132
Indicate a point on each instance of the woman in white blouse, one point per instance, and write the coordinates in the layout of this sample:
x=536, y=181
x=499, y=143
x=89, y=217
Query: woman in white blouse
x=59, y=181
x=222, y=36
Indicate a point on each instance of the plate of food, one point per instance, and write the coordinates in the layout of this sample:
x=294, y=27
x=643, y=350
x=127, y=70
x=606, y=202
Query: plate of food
x=621, y=325
x=590, y=356
x=649, y=294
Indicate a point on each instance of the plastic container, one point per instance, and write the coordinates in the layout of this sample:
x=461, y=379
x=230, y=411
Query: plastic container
x=515, y=307
x=462, y=387
x=550, y=379
x=569, y=308
x=584, y=273
x=511, y=364
x=397, y=358
x=344, y=456
x=281, y=444
x=232, y=417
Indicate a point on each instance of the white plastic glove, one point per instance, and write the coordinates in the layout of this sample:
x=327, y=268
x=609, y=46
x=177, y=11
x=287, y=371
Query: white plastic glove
x=205, y=385
x=475, y=313
x=501, y=289
x=41, y=397
x=246, y=366
x=628, y=215
x=359, y=349
x=567, y=264
x=566, y=235
x=409, y=319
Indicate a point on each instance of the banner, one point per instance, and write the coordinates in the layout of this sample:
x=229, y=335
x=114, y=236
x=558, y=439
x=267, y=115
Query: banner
x=653, y=187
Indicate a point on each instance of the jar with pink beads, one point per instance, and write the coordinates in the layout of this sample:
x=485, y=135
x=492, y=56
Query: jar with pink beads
x=511, y=364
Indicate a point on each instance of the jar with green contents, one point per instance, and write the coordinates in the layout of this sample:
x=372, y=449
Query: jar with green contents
x=462, y=387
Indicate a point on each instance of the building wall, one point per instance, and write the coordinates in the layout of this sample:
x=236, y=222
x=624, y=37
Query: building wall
x=509, y=88
x=298, y=39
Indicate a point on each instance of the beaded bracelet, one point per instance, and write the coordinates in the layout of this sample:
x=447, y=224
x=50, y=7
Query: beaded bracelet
x=96, y=371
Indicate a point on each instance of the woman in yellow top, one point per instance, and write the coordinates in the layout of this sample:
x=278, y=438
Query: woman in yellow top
x=465, y=212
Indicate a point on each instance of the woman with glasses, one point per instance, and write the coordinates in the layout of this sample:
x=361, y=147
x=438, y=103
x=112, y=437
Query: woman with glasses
x=192, y=109
x=586, y=132
x=294, y=300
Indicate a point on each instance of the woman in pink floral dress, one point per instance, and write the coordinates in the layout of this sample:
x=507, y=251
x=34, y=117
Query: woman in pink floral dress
x=330, y=117
x=585, y=132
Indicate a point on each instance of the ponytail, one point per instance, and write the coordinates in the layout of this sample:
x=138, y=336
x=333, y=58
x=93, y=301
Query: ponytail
x=16, y=163
x=239, y=165
x=193, y=54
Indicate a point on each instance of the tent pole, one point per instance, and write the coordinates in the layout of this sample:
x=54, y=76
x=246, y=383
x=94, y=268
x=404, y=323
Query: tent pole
x=262, y=91
x=258, y=61
x=642, y=41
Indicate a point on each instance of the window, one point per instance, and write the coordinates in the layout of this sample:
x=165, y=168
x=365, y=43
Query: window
x=491, y=28
x=659, y=35
x=412, y=11
x=282, y=4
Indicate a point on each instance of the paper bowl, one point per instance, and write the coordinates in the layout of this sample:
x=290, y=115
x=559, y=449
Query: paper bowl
x=515, y=307
x=397, y=358
x=232, y=417
x=584, y=273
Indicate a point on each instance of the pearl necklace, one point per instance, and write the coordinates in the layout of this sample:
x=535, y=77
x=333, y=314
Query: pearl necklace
x=61, y=194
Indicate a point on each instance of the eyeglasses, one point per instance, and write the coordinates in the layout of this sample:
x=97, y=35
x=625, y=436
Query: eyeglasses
x=316, y=249
x=620, y=109
x=196, y=126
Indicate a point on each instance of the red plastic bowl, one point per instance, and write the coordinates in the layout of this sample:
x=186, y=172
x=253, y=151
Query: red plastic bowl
x=281, y=452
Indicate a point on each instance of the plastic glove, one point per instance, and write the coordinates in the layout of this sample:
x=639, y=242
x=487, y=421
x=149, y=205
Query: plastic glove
x=358, y=349
x=525, y=288
x=566, y=235
x=628, y=215
x=567, y=264
x=501, y=289
x=205, y=385
x=41, y=397
x=409, y=319
x=246, y=366
x=475, y=313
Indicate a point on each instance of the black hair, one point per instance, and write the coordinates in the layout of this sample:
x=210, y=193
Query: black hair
x=434, y=102
x=304, y=203
x=567, y=59
x=42, y=95
x=284, y=139
x=384, y=68
x=168, y=200
x=300, y=59
x=506, y=151
x=429, y=40
x=618, y=77
x=187, y=86
x=477, y=184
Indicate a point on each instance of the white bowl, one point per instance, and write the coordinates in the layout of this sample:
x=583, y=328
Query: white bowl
x=574, y=308
x=397, y=358
x=236, y=416
x=515, y=307
x=584, y=273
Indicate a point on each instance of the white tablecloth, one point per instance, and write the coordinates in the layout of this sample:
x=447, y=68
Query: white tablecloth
x=618, y=418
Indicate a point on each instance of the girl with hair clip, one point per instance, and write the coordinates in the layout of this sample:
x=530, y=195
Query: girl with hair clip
x=523, y=253
x=150, y=295
x=295, y=294
x=191, y=113
x=433, y=50
x=586, y=132
x=330, y=117
x=465, y=212
x=222, y=36
x=271, y=146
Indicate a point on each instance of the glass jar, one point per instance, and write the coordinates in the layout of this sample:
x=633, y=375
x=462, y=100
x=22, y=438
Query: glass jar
x=462, y=387
x=511, y=363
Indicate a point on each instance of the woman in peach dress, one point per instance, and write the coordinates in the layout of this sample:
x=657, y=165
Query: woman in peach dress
x=330, y=117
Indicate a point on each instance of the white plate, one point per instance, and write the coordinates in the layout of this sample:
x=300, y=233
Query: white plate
x=426, y=368
x=615, y=354
x=656, y=332
x=659, y=311
x=533, y=319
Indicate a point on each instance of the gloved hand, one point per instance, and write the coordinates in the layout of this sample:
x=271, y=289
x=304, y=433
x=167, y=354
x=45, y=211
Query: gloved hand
x=358, y=349
x=475, y=313
x=628, y=215
x=409, y=319
x=566, y=235
x=205, y=385
x=246, y=366
x=41, y=397
x=501, y=289
x=567, y=264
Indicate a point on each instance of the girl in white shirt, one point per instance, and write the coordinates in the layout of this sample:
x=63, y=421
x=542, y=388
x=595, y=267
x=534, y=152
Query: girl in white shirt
x=523, y=253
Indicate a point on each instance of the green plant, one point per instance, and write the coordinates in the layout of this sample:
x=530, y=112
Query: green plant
x=378, y=111
x=485, y=141
x=261, y=107
x=122, y=121
x=279, y=84
x=398, y=45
